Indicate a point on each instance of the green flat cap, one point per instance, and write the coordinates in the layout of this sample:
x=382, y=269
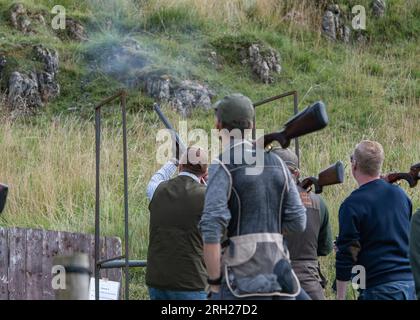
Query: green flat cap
x=287, y=155
x=235, y=110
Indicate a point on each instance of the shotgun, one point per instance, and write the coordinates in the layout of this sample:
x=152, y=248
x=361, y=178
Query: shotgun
x=180, y=145
x=3, y=196
x=334, y=174
x=412, y=177
x=311, y=119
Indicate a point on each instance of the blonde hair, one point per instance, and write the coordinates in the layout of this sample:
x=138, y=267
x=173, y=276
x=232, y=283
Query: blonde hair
x=369, y=156
x=195, y=161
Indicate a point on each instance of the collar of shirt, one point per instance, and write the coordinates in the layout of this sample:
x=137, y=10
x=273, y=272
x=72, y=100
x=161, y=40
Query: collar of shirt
x=191, y=175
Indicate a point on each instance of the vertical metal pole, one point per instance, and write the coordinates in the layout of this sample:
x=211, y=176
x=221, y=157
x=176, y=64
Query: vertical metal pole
x=97, y=216
x=254, y=130
x=296, y=110
x=124, y=120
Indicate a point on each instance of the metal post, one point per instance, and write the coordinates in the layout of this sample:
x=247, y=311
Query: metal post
x=124, y=121
x=97, y=203
x=296, y=110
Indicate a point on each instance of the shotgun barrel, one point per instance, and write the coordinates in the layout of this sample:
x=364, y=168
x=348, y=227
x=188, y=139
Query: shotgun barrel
x=178, y=141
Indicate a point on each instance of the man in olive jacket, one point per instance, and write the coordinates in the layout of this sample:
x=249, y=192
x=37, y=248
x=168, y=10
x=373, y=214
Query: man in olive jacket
x=315, y=241
x=415, y=249
x=175, y=265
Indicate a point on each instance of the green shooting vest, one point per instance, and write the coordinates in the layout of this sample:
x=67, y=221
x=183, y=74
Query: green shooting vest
x=175, y=255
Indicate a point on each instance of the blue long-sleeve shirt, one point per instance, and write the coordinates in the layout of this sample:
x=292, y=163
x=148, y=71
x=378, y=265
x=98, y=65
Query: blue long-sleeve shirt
x=374, y=224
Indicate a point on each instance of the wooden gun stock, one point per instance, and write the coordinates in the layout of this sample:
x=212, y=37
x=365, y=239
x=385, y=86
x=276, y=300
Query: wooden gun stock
x=334, y=174
x=3, y=196
x=412, y=177
x=311, y=119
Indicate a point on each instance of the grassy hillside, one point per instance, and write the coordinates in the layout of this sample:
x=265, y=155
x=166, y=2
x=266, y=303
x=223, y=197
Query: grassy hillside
x=371, y=91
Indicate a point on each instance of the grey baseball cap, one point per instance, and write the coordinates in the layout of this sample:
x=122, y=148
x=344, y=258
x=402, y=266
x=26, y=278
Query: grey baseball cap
x=235, y=110
x=287, y=155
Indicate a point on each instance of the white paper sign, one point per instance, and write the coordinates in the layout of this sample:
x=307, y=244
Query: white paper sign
x=108, y=290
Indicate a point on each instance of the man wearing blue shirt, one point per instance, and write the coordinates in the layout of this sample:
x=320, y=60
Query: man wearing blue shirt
x=374, y=223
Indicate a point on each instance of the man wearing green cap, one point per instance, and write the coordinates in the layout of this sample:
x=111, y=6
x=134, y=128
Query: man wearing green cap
x=316, y=241
x=244, y=206
x=415, y=250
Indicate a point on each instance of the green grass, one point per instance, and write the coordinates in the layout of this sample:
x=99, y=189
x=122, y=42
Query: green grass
x=371, y=91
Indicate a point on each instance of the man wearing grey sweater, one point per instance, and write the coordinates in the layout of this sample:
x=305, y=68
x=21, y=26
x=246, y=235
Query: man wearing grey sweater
x=246, y=206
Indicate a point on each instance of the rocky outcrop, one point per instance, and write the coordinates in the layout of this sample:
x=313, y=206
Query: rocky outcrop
x=48, y=86
x=28, y=92
x=19, y=18
x=189, y=95
x=24, y=97
x=379, y=7
x=75, y=30
x=48, y=57
x=333, y=26
x=184, y=96
x=158, y=87
x=263, y=61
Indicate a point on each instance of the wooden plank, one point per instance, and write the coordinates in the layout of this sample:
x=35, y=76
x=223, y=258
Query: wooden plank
x=17, y=263
x=4, y=264
x=50, y=249
x=113, y=249
x=102, y=246
x=91, y=240
x=34, y=252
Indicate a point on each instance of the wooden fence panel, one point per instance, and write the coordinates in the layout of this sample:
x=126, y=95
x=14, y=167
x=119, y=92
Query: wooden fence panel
x=50, y=249
x=34, y=264
x=17, y=264
x=4, y=264
x=26, y=259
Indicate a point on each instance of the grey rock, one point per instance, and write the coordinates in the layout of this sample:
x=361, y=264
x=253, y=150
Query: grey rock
x=189, y=95
x=263, y=61
x=48, y=87
x=24, y=97
x=75, y=30
x=3, y=62
x=49, y=57
x=15, y=11
x=215, y=60
x=379, y=7
x=329, y=25
x=39, y=18
x=333, y=27
x=19, y=18
x=158, y=87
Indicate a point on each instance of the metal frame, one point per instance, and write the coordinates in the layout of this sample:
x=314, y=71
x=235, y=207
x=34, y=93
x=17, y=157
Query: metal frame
x=122, y=95
x=295, y=110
